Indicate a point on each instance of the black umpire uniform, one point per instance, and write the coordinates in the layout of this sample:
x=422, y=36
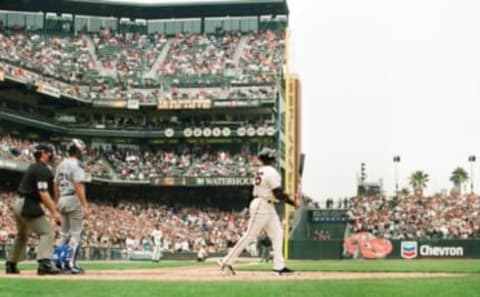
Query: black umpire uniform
x=36, y=187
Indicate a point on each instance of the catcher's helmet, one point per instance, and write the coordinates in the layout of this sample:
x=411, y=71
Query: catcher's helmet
x=266, y=155
x=76, y=147
x=39, y=148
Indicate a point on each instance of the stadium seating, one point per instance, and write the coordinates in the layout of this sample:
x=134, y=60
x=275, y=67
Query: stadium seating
x=106, y=65
x=184, y=229
x=141, y=164
x=437, y=217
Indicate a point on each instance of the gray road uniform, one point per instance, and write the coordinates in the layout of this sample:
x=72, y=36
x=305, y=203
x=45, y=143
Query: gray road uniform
x=69, y=172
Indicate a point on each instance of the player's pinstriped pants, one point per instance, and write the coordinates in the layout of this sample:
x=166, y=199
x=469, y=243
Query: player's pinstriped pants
x=263, y=216
x=157, y=252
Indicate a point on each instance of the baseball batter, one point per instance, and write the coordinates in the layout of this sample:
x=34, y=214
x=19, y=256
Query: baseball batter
x=69, y=179
x=267, y=191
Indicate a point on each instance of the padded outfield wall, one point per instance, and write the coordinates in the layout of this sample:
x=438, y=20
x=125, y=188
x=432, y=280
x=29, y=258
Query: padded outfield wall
x=401, y=249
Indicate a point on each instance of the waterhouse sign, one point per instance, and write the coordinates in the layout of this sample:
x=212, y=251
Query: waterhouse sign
x=225, y=181
x=202, y=181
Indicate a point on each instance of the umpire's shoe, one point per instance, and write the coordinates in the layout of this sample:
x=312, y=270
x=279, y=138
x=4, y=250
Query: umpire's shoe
x=11, y=268
x=45, y=267
x=283, y=271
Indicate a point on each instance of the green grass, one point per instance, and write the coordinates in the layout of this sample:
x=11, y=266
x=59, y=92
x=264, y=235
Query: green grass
x=451, y=266
x=468, y=285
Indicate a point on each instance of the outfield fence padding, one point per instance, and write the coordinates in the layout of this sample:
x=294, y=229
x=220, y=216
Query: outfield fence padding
x=402, y=249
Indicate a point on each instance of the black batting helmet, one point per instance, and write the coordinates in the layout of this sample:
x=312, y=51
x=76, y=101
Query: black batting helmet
x=39, y=148
x=76, y=147
x=266, y=155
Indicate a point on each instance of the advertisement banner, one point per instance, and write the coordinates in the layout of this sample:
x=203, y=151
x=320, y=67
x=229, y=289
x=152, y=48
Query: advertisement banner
x=5, y=164
x=48, y=90
x=408, y=249
x=64, y=118
x=237, y=103
x=168, y=181
x=110, y=103
x=224, y=181
x=371, y=247
x=442, y=249
x=291, y=138
x=184, y=104
x=364, y=245
x=133, y=104
x=202, y=181
x=13, y=165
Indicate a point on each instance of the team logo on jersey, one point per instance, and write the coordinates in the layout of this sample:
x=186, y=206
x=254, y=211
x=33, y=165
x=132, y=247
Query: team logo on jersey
x=409, y=249
x=42, y=185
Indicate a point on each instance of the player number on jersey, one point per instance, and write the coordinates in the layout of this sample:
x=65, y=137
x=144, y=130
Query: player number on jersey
x=258, y=178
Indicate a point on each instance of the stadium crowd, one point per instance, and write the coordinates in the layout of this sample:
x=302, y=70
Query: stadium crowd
x=137, y=164
x=438, y=217
x=198, y=55
x=321, y=235
x=262, y=55
x=107, y=65
x=66, y=58
x=141, y=164
x=21, y=150
x=129, y=225
x=127, y=53
x=16, y=148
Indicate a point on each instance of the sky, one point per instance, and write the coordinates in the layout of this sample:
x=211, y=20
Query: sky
x=383, y=78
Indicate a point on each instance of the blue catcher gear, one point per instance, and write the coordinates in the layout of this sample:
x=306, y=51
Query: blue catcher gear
x=60, y=254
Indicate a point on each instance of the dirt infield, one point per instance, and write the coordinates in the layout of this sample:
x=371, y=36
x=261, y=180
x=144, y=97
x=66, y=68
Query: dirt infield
x=212, y=273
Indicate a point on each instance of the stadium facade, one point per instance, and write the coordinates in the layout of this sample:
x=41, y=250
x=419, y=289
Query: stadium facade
x=206, y=77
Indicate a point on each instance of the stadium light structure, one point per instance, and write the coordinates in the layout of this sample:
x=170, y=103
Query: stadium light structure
x=396, y=160
x=363, y=173
x=472, y=160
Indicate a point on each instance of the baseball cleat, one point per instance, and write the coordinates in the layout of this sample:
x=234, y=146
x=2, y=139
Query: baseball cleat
x=59, y=266
x=11, y=268
x=226, y=267
x=77, y=270
x=283, y=271
x=46, y=268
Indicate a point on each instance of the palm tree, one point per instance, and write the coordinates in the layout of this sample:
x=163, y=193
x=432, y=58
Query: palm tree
x=405, y=191
x=418, y=181
x=459, y=177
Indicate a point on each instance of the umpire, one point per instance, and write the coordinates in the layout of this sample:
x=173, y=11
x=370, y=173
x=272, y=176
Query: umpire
x=36, y=187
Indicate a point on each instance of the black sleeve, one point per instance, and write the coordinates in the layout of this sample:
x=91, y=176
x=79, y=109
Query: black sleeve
x=43, y=178
x=282, y=196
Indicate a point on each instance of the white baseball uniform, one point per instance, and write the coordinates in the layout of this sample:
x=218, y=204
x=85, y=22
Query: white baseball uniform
x=263, y=216
x=157, y=244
